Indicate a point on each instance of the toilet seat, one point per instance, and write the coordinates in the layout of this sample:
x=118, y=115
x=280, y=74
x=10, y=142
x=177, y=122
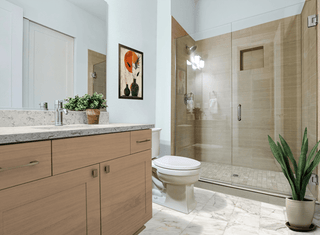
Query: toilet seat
x=177, y=163
x=177, y=166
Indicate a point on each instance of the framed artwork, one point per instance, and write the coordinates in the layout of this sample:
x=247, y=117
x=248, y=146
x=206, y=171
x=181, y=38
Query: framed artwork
x=181, y=82
x=130, y=73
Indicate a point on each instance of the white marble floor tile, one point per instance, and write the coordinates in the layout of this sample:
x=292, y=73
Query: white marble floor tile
x=156, y=208
x=202, y=197
x=272, y=212
x=220, y=206
x=272, y=224
x=167, y=222
x=249, y=206
x=242, y=218
x=221, y=214
x=205, y=226
x=240, y=230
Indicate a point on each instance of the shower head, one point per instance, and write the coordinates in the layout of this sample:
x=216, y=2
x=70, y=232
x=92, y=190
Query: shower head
x=191, y=49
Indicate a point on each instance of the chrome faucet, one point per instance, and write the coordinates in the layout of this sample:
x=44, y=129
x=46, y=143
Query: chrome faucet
x=58, y=107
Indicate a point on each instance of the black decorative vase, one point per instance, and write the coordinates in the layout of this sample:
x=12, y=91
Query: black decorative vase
x=134, y=88
x=126, y=90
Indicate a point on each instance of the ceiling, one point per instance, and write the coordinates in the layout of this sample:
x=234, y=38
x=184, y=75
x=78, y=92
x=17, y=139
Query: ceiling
x=97, y=8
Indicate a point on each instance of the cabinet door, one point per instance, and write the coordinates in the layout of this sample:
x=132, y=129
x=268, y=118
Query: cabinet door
x=65, y=204
x=126, y=194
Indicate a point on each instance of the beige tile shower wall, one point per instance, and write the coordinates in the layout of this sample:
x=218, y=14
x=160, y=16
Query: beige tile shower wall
x=309, y=77
x=270, y=96
x=213, y=131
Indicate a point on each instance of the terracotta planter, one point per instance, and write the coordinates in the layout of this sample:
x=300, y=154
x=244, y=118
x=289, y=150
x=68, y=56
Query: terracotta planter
x=93, y=116
x=300, y=213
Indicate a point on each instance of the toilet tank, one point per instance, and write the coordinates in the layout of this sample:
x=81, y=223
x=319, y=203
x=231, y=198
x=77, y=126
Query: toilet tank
x=156, y=142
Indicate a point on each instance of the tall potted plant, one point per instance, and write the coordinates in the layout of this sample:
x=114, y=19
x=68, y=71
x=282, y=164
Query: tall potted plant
x=92, y=105
x=300, y=211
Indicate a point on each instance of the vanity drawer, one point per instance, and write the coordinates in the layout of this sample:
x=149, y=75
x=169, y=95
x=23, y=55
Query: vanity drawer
x=74, y=153
x=21, y=163
x=140, y=141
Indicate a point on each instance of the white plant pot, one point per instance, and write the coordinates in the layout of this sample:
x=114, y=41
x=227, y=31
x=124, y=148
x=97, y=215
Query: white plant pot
x=300, y=213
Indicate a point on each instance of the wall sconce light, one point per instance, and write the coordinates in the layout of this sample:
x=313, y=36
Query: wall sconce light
x=196, y=62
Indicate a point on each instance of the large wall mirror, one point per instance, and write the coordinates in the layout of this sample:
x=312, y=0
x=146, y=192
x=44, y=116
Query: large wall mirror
x=51, y=50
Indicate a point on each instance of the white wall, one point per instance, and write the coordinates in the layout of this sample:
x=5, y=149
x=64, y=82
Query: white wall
x=89, y=31
x=184, y=12
x=163, y=97
x=216, y=13
x=134, y=24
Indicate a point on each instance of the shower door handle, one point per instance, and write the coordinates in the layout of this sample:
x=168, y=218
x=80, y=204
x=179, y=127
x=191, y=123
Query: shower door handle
x=239, y=112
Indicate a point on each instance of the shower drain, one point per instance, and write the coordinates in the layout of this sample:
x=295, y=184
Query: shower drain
x=235, y=175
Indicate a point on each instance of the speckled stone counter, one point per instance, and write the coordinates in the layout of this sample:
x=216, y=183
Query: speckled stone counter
x=9, y=135
x=14, y=118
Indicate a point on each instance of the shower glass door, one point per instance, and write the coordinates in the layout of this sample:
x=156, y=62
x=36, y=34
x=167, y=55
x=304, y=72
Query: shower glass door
x=266, y=75
x=267, y=97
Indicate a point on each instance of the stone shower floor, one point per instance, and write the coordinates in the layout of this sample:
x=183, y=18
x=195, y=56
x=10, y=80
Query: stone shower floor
x=221, y=214
x=270, y=181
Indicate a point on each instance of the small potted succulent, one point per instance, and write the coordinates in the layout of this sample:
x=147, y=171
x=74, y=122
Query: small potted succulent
x=92, y=105
x=300, y=211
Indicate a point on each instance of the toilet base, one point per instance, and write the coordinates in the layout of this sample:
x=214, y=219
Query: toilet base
x=177, y=197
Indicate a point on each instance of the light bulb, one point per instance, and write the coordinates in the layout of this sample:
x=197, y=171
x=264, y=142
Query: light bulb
x=197, y=59
x=202, y=64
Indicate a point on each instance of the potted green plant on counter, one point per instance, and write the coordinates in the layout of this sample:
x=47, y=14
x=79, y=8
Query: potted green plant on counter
x=300, y=211
x=91, y=103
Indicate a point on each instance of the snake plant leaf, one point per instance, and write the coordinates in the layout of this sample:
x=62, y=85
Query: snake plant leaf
x=303, y=189
x=288, y=152
x=313, y=164
x=305, y=134
x=288, y=173
x=287, y=164
x=311, y=154
x=302, y=161
x=275, y=151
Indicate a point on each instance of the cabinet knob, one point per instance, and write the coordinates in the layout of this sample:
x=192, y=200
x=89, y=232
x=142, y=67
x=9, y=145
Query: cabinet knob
x=95, y=173
x=107, y=169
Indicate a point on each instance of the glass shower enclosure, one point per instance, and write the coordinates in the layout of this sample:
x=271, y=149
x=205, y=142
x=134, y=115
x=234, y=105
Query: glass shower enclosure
x=256, y=81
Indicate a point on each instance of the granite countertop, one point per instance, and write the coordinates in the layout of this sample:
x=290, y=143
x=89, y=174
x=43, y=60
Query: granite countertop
x=22, y=134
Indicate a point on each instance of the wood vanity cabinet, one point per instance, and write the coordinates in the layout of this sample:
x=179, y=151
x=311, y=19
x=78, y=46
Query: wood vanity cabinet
x=65, y=204
x=126, y=194
x=86, y=192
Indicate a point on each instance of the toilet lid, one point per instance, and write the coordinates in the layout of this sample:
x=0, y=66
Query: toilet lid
x=177, y=163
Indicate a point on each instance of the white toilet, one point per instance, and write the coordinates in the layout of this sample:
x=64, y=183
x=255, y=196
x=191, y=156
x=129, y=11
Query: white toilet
x=173, y=178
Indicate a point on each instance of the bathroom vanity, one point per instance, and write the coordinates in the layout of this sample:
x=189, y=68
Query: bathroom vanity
x=76, y=179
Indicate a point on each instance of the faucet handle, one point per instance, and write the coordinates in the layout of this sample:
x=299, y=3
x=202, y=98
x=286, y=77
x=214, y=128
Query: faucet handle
x=44, y=105
x=58, y=104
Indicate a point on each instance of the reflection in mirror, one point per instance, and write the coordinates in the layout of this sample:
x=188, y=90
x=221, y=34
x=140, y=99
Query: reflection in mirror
x=96, y=73
x=45, y=50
